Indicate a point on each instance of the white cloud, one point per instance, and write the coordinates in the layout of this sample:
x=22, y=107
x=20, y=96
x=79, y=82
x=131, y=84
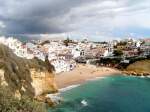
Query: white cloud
x=53, y=36
x=2, y=25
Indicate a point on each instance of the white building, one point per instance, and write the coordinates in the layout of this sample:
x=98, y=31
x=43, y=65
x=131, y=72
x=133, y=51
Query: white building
x=62, y=65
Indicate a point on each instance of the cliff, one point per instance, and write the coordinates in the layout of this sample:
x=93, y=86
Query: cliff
x=139, y=68
x=25, y=77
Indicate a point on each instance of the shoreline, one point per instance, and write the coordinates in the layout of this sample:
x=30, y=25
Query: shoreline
x=69, y=87
x=81, y=74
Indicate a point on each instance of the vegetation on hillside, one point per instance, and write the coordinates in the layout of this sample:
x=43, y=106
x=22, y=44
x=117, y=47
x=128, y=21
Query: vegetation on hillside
x=123, y=66
x=140, y=66
x=17, y=70
x=17, y=75
x=9, y=103
x=118, y=53
x=121, y=43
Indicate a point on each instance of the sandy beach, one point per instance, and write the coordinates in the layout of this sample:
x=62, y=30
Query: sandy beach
x=81, y=74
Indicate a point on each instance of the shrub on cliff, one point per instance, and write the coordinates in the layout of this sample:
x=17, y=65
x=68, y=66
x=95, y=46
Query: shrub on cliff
x=9, y=103
x=140, y=66
x=17, y=75
x=17, y=70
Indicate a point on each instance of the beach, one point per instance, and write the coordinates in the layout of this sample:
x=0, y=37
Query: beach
x=81, y=74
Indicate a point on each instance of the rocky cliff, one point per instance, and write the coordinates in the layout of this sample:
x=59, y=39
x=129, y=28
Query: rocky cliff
x=139, y=68
x=25, y=77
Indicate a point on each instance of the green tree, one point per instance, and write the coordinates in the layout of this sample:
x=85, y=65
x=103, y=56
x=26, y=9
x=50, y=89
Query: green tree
x=118, y=53
x=122, y=43
x=67, y=41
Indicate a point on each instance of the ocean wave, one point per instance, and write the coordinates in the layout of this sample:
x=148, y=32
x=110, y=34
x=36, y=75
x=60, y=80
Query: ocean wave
x=68, y=88
x=84, y=103
x=140, y=76
x=148, y=76
x=54, y=97
x=96, y=78
x=74, y=86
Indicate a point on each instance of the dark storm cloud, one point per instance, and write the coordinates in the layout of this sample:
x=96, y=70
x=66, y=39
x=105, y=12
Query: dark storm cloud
x=36, y=16
x=75, y=17
x=31, y=26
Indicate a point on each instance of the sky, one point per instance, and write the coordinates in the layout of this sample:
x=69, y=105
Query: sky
x=93, y=19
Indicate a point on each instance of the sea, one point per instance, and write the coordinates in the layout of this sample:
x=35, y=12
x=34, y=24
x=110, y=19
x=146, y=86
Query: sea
x=116, y=93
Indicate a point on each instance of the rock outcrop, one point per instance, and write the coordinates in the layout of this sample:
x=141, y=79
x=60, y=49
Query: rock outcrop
x=136, y=73
x=42, y=82
x=25, y=77
x=139, y=68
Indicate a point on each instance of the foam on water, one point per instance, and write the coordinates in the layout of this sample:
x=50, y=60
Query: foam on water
x=68, y=88
x=55, y=97
x=96, y=78
x=84, y=103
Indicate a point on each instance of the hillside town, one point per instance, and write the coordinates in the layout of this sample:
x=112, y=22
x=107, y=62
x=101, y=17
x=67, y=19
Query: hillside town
x=65, y=54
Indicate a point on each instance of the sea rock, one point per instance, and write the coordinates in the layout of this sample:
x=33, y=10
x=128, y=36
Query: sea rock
x=136, y=74
x=48, y=100
x=146, y=74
